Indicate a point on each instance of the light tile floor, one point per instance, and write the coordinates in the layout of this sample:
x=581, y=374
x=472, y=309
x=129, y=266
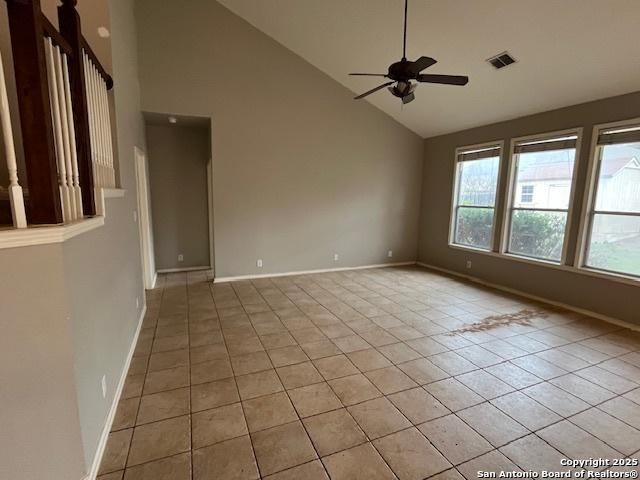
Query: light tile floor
x=370, y=374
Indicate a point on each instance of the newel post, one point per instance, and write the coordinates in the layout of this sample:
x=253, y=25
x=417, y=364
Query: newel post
x=70, y=28
x=27, y=44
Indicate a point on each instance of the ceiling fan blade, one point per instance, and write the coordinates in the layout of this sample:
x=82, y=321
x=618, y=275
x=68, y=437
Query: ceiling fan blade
x=444, y=79
x=379, y=87
x=422, y=63
x=370, y=74
x=408, y=98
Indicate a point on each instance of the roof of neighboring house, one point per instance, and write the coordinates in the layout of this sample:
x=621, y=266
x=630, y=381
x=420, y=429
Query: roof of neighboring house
x=614, y=165
x=555, y=171
x=548, y=171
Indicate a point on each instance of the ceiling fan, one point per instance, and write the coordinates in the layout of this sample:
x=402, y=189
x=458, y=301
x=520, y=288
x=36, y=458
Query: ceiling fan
x=401, y=73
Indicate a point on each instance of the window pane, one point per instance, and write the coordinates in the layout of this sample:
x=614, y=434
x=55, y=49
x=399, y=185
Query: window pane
x=543, y=179
x=537, y=234
x=473, y=227
x=615, y=244
x=478, y=182
x=619, y=178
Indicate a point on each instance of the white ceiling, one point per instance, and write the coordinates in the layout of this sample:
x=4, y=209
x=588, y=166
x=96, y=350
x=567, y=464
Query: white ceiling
x=569, y=51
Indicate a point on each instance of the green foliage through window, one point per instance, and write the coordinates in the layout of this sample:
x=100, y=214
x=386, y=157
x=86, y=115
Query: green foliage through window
x=474, y=227
x=538, y=234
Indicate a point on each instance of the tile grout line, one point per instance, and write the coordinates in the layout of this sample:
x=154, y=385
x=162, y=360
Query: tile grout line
x=190, y=391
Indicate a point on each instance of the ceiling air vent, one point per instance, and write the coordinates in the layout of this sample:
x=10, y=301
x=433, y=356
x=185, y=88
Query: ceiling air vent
x=501, y=60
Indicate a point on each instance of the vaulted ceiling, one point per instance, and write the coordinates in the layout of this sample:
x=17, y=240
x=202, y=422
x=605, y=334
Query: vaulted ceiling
x=568, y=51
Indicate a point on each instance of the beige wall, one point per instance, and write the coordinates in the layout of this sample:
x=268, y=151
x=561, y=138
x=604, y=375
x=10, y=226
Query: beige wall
x=300, y=170
x=602, y=296
x=68, y=315
x=39, y=426
x=177, y=158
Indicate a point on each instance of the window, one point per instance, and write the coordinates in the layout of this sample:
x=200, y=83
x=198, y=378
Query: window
x=613, y=239
x=542, y=171
x=526, y=195
x=476, y=183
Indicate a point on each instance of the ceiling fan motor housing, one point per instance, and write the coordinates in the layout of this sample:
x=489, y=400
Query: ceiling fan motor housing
x=400, y=71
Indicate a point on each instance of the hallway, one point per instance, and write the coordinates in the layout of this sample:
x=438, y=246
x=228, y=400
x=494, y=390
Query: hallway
x=368, y=374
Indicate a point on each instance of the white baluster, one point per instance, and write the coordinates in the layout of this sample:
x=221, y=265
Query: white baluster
x=96, y=99
x=57, y=130
x=96, y=93
x=112, y=170
x=104, y=129
x=64, y=127
x=106, y=132
x=91, y=111
x=87, y=93
x=15, y=190
x=77, y=190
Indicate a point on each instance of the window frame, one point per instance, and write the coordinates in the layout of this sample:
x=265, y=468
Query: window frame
x=589, y=202
x=453, y=213
x=511, y=194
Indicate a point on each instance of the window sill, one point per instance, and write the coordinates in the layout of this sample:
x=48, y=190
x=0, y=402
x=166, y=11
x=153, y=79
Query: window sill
x=30, y=236
x=619, y=277
x=614, y=277
x=469, y=248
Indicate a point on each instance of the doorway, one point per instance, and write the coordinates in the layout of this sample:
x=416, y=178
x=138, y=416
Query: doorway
x=179, y=162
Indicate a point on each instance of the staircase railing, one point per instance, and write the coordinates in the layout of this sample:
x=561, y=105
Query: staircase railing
x=64, y=116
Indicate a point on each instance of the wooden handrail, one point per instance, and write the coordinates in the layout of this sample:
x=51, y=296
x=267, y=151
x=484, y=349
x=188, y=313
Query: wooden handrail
x=94, y=59
x=51, y=32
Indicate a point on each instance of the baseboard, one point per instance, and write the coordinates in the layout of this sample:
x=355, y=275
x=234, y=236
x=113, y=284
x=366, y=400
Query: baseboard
x=154, y=281
x=307, y=272
x=93, y=473
x=183, y=269
x=573, y=308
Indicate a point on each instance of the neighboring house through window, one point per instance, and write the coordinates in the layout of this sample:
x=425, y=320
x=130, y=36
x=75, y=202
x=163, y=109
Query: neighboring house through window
x=526, y=196
x=613, y=228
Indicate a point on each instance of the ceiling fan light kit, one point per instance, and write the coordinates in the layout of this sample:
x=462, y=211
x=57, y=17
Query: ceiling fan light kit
x=403, y=72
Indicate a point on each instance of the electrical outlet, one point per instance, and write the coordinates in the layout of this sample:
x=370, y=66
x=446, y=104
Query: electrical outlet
x=180, y=257
x=336, y=257
x=135, y=215
x=468, y=263
x=103, y=383
x=137, y=302
x=390, y=253
x=259, y=263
